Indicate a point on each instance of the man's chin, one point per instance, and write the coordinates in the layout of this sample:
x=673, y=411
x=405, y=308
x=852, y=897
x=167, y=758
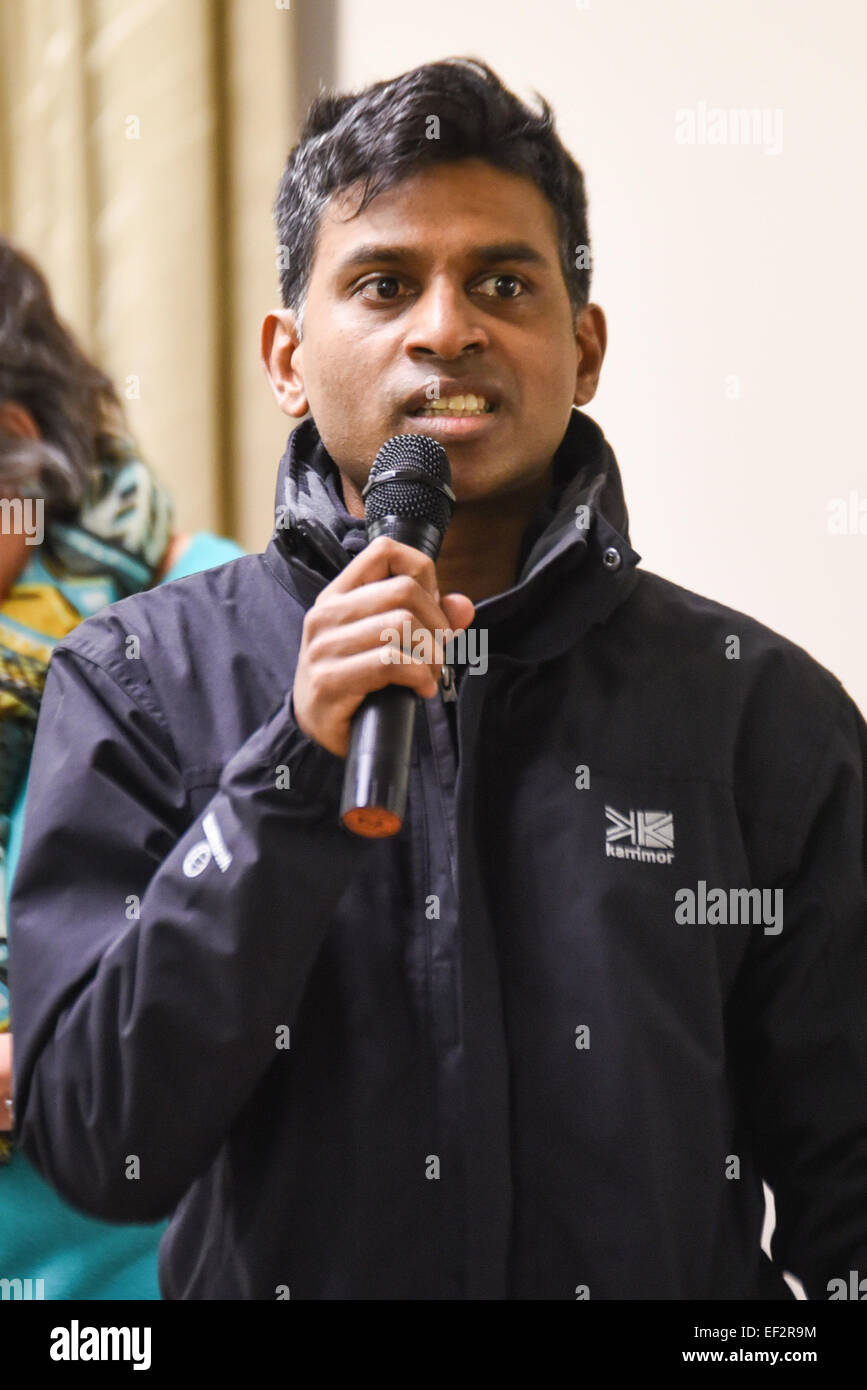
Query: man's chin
x=474, y=482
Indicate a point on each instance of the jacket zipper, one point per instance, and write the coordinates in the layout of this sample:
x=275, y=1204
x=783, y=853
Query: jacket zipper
x=448, y=685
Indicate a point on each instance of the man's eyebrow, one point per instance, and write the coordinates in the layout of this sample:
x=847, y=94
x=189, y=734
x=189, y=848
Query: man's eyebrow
x=398, y=255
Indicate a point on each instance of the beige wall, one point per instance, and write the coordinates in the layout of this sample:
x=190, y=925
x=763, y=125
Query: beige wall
x=732, y=279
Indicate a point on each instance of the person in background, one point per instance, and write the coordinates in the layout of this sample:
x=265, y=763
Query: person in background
x=83, y=522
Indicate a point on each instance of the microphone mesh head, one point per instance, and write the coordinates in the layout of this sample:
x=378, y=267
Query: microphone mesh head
x=411, y=498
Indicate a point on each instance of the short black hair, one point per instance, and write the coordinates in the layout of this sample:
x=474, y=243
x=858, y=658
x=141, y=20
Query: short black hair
x=381, y=135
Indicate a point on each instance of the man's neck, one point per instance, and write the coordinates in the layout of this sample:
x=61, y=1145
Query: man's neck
x=479, y=555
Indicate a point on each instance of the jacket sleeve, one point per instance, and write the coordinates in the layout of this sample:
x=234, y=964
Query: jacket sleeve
x=149, y=978
x=801, y=1010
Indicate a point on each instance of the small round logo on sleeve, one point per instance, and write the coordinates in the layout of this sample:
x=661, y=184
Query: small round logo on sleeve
x=197, y=859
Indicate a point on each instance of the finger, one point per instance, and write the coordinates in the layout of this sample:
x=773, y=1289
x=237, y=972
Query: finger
x=459, y=610
x=353, y=677
x=381, y=558
x=389, y=634
x=381, y=597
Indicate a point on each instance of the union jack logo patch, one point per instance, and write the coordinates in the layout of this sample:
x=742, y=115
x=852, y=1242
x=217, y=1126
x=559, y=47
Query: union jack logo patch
x=652, y=831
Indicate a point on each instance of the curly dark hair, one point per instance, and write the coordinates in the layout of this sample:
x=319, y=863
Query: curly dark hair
x=379, y=135
x=74, y=404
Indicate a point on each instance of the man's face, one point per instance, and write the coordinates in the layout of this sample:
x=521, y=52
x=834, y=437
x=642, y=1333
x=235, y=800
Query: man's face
x=447, y=284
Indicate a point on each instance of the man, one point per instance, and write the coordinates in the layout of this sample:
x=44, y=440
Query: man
x=547, y=1041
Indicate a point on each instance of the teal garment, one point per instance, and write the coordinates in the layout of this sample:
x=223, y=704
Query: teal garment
x=41, y=1236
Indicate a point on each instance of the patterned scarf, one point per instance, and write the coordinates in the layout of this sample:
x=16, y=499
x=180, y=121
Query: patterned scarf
x=111, y=548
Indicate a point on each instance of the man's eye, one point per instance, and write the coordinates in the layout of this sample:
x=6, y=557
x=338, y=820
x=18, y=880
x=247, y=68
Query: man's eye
x=377, y=284
x=499, y=280
x=386, y=287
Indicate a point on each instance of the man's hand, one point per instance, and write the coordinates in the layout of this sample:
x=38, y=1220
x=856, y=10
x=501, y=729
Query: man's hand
x=341, y=659
x=5, y=1081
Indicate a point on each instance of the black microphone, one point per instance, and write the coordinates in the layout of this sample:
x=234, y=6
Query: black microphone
x=407, y=495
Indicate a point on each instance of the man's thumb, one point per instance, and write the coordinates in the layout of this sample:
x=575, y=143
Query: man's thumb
x=459, y=610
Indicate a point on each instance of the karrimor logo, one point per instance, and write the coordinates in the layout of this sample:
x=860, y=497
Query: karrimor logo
x=649, y=835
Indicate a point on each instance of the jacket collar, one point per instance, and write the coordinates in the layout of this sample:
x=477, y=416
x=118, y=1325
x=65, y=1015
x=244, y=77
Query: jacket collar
x=315, y=536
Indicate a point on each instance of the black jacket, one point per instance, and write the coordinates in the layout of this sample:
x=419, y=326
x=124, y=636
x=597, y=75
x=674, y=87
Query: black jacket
x=488, y=1058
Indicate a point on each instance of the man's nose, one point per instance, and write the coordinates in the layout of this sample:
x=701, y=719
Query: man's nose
x=445, y=321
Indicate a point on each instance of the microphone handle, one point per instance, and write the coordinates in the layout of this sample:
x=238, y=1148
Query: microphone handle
x=377, y=764
x=376, y=775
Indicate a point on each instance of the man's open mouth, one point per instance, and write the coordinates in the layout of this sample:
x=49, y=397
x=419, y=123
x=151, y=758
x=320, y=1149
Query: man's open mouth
x=456, y=406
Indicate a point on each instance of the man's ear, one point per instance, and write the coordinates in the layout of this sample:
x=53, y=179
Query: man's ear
x=591, y=335
x=281, y=354
x=15, y=419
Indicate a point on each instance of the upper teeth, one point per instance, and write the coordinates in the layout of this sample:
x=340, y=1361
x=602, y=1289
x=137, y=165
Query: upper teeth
x=468, y=402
